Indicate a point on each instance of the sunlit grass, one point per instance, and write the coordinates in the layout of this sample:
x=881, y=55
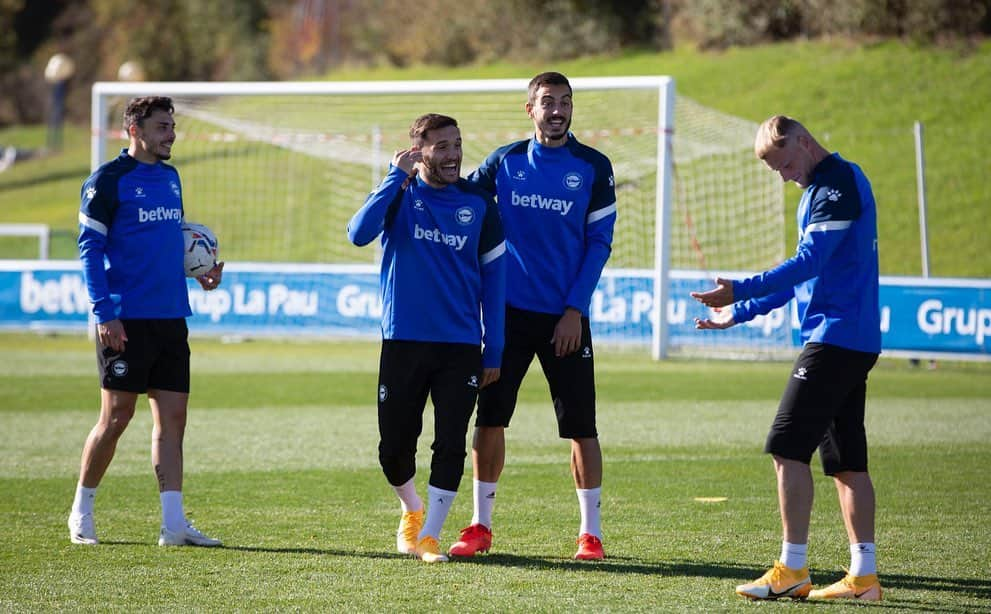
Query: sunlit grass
x=281, y=463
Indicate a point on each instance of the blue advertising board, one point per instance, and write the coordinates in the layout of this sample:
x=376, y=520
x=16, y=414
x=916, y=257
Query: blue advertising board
x=918, y=316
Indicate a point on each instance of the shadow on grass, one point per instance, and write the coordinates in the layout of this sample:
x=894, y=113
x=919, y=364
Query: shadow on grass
x=319, y=552
x=620, y=564
x=265, y=550
x=976, y=587
x=962, y=587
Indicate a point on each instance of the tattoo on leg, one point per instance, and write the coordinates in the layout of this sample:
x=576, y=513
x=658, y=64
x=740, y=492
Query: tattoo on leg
x=161, y=477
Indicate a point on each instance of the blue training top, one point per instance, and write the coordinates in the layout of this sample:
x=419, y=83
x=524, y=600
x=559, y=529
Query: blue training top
x=558, y=206
x=130, y=241
x=442, y=259
x=834, y=272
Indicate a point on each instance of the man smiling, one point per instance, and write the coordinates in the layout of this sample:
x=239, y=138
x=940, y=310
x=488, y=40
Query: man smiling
x=130, y=245
x=442, y=258
x=558, y=205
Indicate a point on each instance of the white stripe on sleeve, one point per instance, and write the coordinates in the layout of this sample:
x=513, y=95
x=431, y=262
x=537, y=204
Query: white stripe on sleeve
x=824, y=226
x=493, y=253
x=89, y=222
x=598, y=214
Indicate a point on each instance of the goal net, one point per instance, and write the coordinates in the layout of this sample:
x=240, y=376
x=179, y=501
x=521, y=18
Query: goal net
x=277, y=170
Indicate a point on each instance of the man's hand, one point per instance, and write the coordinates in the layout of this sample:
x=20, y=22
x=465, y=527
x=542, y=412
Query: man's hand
x=211, y=279
x=112, y=335
x=489, y=376
x=406, y=160
x=568, y=333
x=721, y=318
x=720, y=296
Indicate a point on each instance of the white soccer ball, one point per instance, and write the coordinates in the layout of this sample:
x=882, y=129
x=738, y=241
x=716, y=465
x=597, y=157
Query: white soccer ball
x=200, y=249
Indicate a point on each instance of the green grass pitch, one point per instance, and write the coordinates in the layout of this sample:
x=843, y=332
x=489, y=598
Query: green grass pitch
x=281, y=464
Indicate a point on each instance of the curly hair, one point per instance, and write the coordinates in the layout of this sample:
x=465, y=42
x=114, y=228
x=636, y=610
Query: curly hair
x=140, y=109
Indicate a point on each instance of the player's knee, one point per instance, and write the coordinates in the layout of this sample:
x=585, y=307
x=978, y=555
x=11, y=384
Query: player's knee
x=116, y=425
x=397, y=467
x=117, y=418
x=448, y=455
x=172, y=425
x=487, y=438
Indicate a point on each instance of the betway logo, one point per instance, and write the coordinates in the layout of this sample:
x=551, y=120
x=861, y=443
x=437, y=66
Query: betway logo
x=435, y=235
x=539, y=202
x=64, y=295
x=158, y=214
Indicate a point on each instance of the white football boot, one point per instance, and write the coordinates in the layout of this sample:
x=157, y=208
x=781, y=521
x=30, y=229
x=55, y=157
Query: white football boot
x=82, y=530
x=190, y=536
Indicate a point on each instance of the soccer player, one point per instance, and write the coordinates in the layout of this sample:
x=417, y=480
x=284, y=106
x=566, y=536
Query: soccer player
x=833, y=276
x=131, y=247
x=442, y=260
x=558, y=205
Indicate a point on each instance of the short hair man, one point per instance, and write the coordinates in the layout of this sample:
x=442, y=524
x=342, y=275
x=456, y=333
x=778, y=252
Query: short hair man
x=558, y=204
x=833, y=276
x=442, y=259
x=141, y=303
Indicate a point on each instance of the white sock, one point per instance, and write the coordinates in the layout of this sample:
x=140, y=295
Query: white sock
x=485, y=494
x=83, y=501
x=173, y=516
x=589, y=500
x=439, y=504
x=794, y=556
x=863, y=559
x=407, y=496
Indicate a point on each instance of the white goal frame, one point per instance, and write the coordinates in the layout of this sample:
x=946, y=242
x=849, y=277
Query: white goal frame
x=40, y=231
x=103, y=91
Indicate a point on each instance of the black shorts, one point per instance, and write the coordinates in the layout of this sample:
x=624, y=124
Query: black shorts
x=823, y=406
x=408, y=371
x=155, y=356
x=571, y=378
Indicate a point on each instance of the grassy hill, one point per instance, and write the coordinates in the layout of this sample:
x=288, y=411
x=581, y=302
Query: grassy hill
x=860, y=100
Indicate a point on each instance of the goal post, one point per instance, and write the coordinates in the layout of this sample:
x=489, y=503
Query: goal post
x=41, y=232
x=662, y=221
x=276, y=169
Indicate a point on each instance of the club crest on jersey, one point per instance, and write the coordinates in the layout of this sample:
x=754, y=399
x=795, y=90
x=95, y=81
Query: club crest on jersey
x=119, y=368
x=139, y=192
x=465, y=216
x=383, y=392
x=573, y=181
x=175, y=188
